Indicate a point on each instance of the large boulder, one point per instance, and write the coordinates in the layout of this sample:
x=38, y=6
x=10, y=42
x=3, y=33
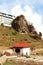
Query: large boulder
x=20, y=24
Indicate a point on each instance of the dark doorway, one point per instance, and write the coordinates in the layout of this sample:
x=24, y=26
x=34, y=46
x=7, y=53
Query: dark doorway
x=17, y=50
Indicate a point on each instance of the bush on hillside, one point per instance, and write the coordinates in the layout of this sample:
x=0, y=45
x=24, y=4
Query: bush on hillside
x=14, y=33
x=31, y=28
x=2, y=24
x=40, y=35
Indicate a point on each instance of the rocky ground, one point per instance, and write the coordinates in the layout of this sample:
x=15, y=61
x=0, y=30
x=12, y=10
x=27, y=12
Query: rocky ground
x=24, y=61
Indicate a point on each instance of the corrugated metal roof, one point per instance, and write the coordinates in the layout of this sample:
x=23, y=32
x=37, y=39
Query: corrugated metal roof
x=7, y=15
x=21, y=45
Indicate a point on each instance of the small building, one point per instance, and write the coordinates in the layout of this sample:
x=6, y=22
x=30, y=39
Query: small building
x=6, y=19
x=21, y=48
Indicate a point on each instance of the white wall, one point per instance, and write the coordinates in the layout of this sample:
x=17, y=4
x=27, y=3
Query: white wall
x=6, y=19
x=1, y=20
x=26, y=50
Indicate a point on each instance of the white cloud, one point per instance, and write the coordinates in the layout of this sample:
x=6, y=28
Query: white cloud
x=17, y=10
x=3, y=8
x=34, y=18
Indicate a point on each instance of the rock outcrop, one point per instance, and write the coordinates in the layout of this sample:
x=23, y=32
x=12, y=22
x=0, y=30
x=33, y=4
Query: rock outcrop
x=20, y=25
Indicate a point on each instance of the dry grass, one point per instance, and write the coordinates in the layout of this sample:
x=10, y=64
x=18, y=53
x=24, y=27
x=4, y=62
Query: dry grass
x=8, y=36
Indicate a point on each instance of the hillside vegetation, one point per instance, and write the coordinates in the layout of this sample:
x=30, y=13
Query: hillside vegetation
x=9, y=36
x=20, y=31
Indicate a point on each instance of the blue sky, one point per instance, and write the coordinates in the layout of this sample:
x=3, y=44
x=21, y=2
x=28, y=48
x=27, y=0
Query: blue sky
x=32, y=9
x=36, y=4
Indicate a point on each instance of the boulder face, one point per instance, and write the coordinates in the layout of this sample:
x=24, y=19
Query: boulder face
x=20, y=24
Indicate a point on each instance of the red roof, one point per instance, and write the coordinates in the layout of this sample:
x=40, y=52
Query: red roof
x=21, y=45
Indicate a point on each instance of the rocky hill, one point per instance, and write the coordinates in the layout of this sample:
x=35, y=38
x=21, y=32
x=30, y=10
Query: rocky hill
x=11, y=35
x=20, y=25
